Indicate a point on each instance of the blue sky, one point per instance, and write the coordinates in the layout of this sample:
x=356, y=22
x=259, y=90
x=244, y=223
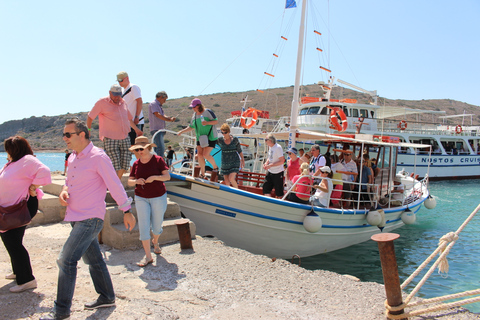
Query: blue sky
x=62, y=56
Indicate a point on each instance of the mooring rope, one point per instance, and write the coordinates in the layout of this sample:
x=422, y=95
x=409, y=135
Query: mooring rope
x=445, y=244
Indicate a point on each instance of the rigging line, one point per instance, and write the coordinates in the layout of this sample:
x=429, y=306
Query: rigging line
x=330, y=35
x=240, y=54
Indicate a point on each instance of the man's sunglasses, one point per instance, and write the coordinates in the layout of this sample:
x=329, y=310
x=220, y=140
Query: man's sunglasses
x=69, y=134
x=139, y=149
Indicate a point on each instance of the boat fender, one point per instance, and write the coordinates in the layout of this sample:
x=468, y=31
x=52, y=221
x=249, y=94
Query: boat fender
x=458, y=129
x=408, y=217
x=334, y=115
x=250, y=112
x=373, y=217
x=402, y=125
x=312, y=222
x=382, y=224
x=430, y=202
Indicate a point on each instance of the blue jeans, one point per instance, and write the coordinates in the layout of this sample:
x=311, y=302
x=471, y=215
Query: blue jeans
x=158, y=140
x=82, y=243
x=150, y=212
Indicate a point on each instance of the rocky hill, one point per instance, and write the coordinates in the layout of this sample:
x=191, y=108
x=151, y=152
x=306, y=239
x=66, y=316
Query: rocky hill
x=45, y=133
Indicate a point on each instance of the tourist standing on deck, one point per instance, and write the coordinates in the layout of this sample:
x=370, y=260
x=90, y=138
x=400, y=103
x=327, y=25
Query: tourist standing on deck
x=170, y=154
x=274, y=167
x=232, y=156
x=203, y=122
x=293, y=167
x=19, y=179
x=157, y=120
x=90, y=173
x=133, y=98
x=317, y=161
x=351, y=168
x=148, y=173
x=114, y=125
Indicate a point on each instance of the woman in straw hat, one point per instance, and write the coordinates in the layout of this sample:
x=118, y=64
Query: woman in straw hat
x=147, y=175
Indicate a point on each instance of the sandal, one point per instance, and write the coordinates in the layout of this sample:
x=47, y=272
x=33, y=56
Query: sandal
x=144, y=262
x=157, y=249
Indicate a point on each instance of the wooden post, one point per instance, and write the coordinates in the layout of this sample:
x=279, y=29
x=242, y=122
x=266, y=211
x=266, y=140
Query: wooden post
x=196, y=171
x=390, y=269
x=183, y=227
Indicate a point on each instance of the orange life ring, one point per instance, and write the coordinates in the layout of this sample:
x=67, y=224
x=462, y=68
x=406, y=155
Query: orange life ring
x=402, y=125
x=458, y=129
x=250, y=112
x=343, y=124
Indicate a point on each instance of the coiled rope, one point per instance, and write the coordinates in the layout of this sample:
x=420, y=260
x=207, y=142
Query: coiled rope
x=445, y=244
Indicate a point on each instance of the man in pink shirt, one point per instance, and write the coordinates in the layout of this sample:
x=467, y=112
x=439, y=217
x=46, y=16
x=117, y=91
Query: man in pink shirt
x=115, y=122
x=90, y=173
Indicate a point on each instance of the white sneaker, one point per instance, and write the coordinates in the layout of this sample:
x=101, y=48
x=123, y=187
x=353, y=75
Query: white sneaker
x=26, y=286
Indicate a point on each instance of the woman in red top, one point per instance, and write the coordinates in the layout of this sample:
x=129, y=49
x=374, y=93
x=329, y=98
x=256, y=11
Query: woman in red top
x=147, y=175
x=302, y=191
x=293, y=167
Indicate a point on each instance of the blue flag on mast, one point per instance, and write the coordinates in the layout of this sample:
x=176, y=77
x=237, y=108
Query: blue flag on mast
x=290, y=4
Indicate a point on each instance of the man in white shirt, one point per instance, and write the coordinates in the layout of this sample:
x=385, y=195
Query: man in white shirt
x=350, y=166
x=317, y=161
x=274, y=167
x=133, y=98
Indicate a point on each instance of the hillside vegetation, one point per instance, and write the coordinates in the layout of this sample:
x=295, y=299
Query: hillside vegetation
x=45, y=133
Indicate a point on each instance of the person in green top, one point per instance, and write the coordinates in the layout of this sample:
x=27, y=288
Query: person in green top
x=203, y=122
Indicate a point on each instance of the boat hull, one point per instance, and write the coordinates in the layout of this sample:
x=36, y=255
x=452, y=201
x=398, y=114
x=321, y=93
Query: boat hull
x=270, y=226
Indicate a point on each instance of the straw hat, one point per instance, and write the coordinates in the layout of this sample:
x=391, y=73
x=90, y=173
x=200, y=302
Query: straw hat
x=141, y=142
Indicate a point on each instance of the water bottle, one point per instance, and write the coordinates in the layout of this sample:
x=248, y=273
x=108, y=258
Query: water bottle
x=202, y=119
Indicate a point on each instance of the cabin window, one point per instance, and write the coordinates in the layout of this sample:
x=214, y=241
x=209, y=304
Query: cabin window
x=345, y=110
x=355, y=113
x=373, y=114
x=324, y=111
x=313, y=110
x=364, y=113
x=303, y=111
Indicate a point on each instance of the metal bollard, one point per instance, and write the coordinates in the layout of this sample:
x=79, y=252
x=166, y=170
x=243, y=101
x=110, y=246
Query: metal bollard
x=390, y=269
x=183, y=227
x=196, y=171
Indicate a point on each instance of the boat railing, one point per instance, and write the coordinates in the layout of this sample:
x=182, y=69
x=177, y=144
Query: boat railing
x=360, y=197
x=425, y=128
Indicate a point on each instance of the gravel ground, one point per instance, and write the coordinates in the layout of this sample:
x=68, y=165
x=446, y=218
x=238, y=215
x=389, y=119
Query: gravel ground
x=213, y=281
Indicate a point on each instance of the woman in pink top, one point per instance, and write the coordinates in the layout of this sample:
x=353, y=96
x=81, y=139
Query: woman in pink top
x=293, y=167
x=302, y=191
x=19, y=178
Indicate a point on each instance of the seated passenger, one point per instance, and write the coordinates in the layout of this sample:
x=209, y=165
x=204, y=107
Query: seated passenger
x=324, y=189
x=302, y=190
x=338, y=169
x=397, y=192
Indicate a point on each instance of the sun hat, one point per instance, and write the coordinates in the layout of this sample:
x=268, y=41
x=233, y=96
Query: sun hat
x=121, y=75
x=116, y=90
x=141, y=142
x=195, y=102
x=326, y=169
x=293, y=150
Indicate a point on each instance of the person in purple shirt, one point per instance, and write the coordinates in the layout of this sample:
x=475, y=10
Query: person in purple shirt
x=157, y=119
x=90, y=172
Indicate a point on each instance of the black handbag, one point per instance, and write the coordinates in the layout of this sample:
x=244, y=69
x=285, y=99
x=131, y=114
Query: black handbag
x=14, y=216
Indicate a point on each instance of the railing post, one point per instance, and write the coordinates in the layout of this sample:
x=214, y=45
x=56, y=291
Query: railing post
x=390, y=269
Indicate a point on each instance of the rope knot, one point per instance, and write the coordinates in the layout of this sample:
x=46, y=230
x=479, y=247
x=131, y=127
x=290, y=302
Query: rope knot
x=449, y=237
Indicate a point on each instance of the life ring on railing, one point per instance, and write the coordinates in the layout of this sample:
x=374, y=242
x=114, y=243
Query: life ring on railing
x=250, y=112
x=458, y=129
x=334, y=114
x=402, y=125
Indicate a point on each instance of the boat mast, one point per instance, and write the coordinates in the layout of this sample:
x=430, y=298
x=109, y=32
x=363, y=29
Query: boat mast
x=296, y=88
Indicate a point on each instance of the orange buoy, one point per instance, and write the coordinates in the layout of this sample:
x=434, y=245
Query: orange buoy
x=458, y=129
x=402, y=125
x=334, y=115
x=250, y=112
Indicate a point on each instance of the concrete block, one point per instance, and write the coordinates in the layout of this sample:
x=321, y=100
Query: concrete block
x=50, y=210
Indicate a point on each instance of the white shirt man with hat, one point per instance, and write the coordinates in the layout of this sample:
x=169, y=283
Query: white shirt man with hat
x=132, y=95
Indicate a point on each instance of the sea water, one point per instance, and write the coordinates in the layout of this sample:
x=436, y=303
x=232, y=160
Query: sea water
x=455, y=201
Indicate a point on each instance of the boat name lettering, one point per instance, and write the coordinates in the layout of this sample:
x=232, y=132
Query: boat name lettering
x=226, y=213
x=450, y=160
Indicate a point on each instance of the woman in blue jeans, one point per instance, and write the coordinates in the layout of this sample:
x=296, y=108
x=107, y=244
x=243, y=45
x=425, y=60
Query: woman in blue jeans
x=147, y=175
